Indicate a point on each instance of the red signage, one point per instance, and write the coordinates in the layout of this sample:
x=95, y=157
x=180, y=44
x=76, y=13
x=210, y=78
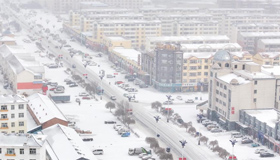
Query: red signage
x=232, y=108
x=168, y=109
x=115, y=73
x=182, y=158
x=84, y=74
x=232, y=112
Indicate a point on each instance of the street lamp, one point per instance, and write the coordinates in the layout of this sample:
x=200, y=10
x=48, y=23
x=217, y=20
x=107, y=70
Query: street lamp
x=101, y=77
x=183, y=143
x=233, y=141
x=168, y=100
x=157, y=118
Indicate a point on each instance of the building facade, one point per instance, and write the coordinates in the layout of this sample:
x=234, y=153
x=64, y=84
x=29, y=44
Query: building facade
x=13, y=114
x=235, y=86
x=22, y=146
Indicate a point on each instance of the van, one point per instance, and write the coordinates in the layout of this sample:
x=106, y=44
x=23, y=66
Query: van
x=236, y=135
x=98, y=152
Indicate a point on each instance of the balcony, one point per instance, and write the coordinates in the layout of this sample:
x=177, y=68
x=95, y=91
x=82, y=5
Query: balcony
x=4, y=119
x=2, y=110
x=7, y=154
x=4, y=127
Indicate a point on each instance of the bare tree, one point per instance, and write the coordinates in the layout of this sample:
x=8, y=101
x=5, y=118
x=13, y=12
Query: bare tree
x=119, y=112
x=159, y=151
x=150, y=140
x=213, y=143
x=216, y=149
x=166, y=156
x=192, y=130
x=129, y=120
x=156, y=105
x=204, y=139
x=110, y=105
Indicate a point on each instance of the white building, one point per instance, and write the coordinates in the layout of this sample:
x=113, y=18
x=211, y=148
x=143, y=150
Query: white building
x=64, y=143
x=151, y=42
x=233, y=47
x=22, y=147
x=268, y=45
x=13, y=114
x=235, y=86
x=21, y=70
x=188, y=28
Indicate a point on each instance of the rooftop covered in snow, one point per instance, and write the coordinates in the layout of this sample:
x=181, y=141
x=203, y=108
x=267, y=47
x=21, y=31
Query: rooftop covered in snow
x=268, y=116
x=5, y=99
x=21, y=140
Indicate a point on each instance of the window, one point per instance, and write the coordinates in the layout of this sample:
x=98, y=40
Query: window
x=205, y=67
x=20, y=106
x=32, y=151
x=21, y=115
x=255, y=99
x=21, y=131
x=4, y=125
x=21, y=151
x=4, y=107
x=185, y=74
x=10, y=151
x=192, y=74
x=206, y=60
x=199, y=67
x=20, y=123
x=255, y=91
x=235, y=66
x=13, y=124
x=256, y=82
x=4, y=116
x=218, y=84
x=0, y=150
x=12, y=115
x=205, y=73
x=12, y=107
x=198, y=73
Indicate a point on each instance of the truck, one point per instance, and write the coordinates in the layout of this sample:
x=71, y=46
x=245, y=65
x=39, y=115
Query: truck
x=59, y=97
x=137, y=151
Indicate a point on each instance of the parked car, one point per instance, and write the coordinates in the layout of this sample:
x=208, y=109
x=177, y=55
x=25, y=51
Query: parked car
x=266, y=154
x=110, y=122
x=52, y=89
x=87, y=139
x=125, y=94
x=236, y=135
x=205, y=121
x=73, y=85
x=258, y=151
x=83, y=94
x=54, y=84
x=98, y=152
x=212, y=126
x=53, y=66
x=86, y=97
x=67, y=45
x=130, y=79
x=119, y=82
x=113, y=98
x=216, y=130
x=179, y=97
x=255, y=145
x=189, y=101
x=67, y=80
x=109, y=76
x=246, y=141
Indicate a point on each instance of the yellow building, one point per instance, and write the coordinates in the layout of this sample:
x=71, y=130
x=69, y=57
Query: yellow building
x=267, y=58
x=135, y=30
x=116, y=41
x=196, y=68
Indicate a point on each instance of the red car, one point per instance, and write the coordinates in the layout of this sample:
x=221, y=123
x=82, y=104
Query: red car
x=119, y=82
x=52, y=89
x=86, y=97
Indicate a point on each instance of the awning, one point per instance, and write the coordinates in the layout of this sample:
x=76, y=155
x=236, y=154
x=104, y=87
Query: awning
x=242, y=125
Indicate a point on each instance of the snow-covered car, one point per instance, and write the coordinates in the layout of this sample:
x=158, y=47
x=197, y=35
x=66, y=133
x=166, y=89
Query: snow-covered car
x=53, y=66
x=83, y=94
x=189, y=101
x=216, y=130
x=168, y=102
x=86, y=97
x=179, y=97
x=258, y=151
x=73, y=85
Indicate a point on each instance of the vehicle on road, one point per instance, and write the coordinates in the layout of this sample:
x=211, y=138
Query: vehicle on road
x=98, y=152
x=110, y=122
x=189, y=101
x=266, y=154
x=73, y=85
x=246, y=141
x=53, y=66
x=168, y=102
x=109, y=76
x=179, y=97
x=113, y=98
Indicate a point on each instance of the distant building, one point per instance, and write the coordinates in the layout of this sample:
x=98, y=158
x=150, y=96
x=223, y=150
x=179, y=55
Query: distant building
x=267, y=58
x=22, y=73
x=233, y=47
x=7, y=40
x=268, y=45
x=116, y=41
x=235, y=86
x=164, y=66
x=13, y=114
x=44, y=112
x=22, y=146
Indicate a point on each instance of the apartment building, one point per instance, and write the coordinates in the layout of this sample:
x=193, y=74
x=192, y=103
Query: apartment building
x=169, y=22
x=152, y=42
x=252, y=27
x=75, y=16
x=135, y=30
x=87, y=21
x=22, y=146
x=197, y=65
x=231, y=19
x=23, y=74
x=188, y=28
x=236, y=86
x=166, y=71
x=13, y=114
x=249, y=40
x=148, y=12
x=116, y=41
x=241, y=3
x=267, y=58
x=131, y=4
x=232, y=47
x=268, y=45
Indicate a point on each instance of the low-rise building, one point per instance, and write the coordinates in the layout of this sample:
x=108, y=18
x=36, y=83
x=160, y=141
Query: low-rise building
x=267, y=58
x=235, y=86
x=232, y=47
x=22, y=146
x=116, y=41
x=13, y=114
x=268, y=45
x=44, y=112
x=7, y=40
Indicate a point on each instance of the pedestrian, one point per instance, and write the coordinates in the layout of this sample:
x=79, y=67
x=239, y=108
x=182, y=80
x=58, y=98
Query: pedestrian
x=109, y=83
x=79, y=103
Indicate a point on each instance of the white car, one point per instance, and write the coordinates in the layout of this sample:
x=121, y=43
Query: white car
x=83, y=94
x=168, y=102
x=258, y=151
x=189, y=101
x=179, y=97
